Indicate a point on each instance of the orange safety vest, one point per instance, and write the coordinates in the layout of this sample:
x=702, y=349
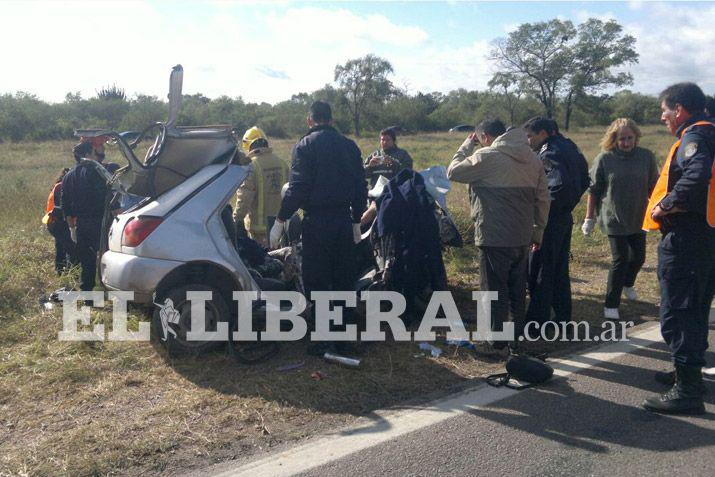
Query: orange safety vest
x=661, y=187
x=50, y=204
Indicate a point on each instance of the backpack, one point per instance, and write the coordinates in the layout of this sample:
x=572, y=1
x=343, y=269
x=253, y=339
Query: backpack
x=528, y=371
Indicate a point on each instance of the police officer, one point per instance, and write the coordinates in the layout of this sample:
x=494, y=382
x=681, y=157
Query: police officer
x=567, y=177
x=327, y=181
x=84, y=192
x=259, y=196
x=682, y=206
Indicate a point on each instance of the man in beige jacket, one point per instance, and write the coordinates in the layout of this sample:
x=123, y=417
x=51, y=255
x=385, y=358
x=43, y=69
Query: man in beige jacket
x=510, y=206
x=259, y=196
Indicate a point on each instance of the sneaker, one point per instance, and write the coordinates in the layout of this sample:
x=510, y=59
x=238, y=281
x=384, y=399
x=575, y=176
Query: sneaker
x=611, y=314
x=630, y=293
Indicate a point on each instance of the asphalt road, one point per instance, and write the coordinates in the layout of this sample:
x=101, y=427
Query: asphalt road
x=586, y=421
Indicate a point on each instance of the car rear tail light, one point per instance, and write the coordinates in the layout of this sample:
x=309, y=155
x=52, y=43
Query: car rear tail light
x=137, y=229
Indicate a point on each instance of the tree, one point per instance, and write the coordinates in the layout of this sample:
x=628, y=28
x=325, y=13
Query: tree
x=600, y=48
x=364, y=83
x=639, y=107
x=539, y=56
x=554, y=59
x=510, y=89
x=112, y=93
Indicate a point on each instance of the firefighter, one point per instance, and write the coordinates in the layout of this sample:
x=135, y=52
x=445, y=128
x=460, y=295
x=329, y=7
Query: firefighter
x=259, y=197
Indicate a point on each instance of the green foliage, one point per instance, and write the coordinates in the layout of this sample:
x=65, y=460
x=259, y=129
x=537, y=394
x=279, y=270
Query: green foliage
x=540, y=56
x=365, y=85
x=639, y=107
x=364, y=99
x=600, y=48
x=112, y=93
x=555, y=61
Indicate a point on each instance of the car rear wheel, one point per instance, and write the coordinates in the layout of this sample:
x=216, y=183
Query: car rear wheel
x=172, y=319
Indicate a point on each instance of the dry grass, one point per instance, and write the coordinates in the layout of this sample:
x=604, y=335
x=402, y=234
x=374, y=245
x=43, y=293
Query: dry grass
x=122, y=408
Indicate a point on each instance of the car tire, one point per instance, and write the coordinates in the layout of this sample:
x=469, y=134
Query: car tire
x=176, y=343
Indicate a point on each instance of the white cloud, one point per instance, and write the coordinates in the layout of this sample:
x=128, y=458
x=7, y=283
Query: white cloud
x=267, y=52
x=674, y=45
x=445, y=69
x=635, y=4
x=231, y=49
x=583, y=15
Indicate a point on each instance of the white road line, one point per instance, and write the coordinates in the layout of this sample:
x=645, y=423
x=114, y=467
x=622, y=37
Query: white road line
x=392, y=424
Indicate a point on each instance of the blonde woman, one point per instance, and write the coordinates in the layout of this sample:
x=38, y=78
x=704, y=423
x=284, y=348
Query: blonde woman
x=622, y=177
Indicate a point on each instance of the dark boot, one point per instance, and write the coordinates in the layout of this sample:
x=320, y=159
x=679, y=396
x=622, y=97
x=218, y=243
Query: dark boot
x=685, y=397
x=665, y=377
x=668, y=378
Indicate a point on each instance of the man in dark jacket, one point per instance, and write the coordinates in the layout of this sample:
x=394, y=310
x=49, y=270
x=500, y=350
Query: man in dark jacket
x=682, y=206
x=387, y=161
x=567, y=177
x=84, y=192
x=389, y=156
x=327, y=181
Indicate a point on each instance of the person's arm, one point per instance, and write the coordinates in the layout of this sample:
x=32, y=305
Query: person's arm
x=465, y=163
x=358, y=204
x=653, y=173
x=369, y=215
x=598, y=187
x=245, y=197
x=369, y=158
x=406, y=161
x=68, y=199
x=696, y=159
x=300, y=183
x=541, y=208
x=591, y=206
x=228, y=223
x=554, y=177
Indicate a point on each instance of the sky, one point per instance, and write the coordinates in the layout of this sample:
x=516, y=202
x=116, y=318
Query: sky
x=268, y=51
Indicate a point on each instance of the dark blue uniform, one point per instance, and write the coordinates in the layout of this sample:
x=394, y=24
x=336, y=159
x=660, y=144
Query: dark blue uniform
x=84, y=193
x=686, y=253
x=549, y=282
x=58, y=228
x=327, y=181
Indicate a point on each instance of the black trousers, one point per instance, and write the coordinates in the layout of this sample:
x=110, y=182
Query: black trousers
x=329, y=255
x=89, y=230
x=686, y=273
x=503, y=269
x=628, y=256
x=65, y=256
x=549, y=282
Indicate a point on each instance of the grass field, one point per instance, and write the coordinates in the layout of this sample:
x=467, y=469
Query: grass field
x=79, y=408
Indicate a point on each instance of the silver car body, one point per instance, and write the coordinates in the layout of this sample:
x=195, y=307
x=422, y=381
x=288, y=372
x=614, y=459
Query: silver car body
x=191, y=233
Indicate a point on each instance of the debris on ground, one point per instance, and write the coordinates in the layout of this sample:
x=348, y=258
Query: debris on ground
x=435, y=351
x=291, y=367
x=48, y=302
x=462, y=344
x=319, y=376
x=344, y=360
